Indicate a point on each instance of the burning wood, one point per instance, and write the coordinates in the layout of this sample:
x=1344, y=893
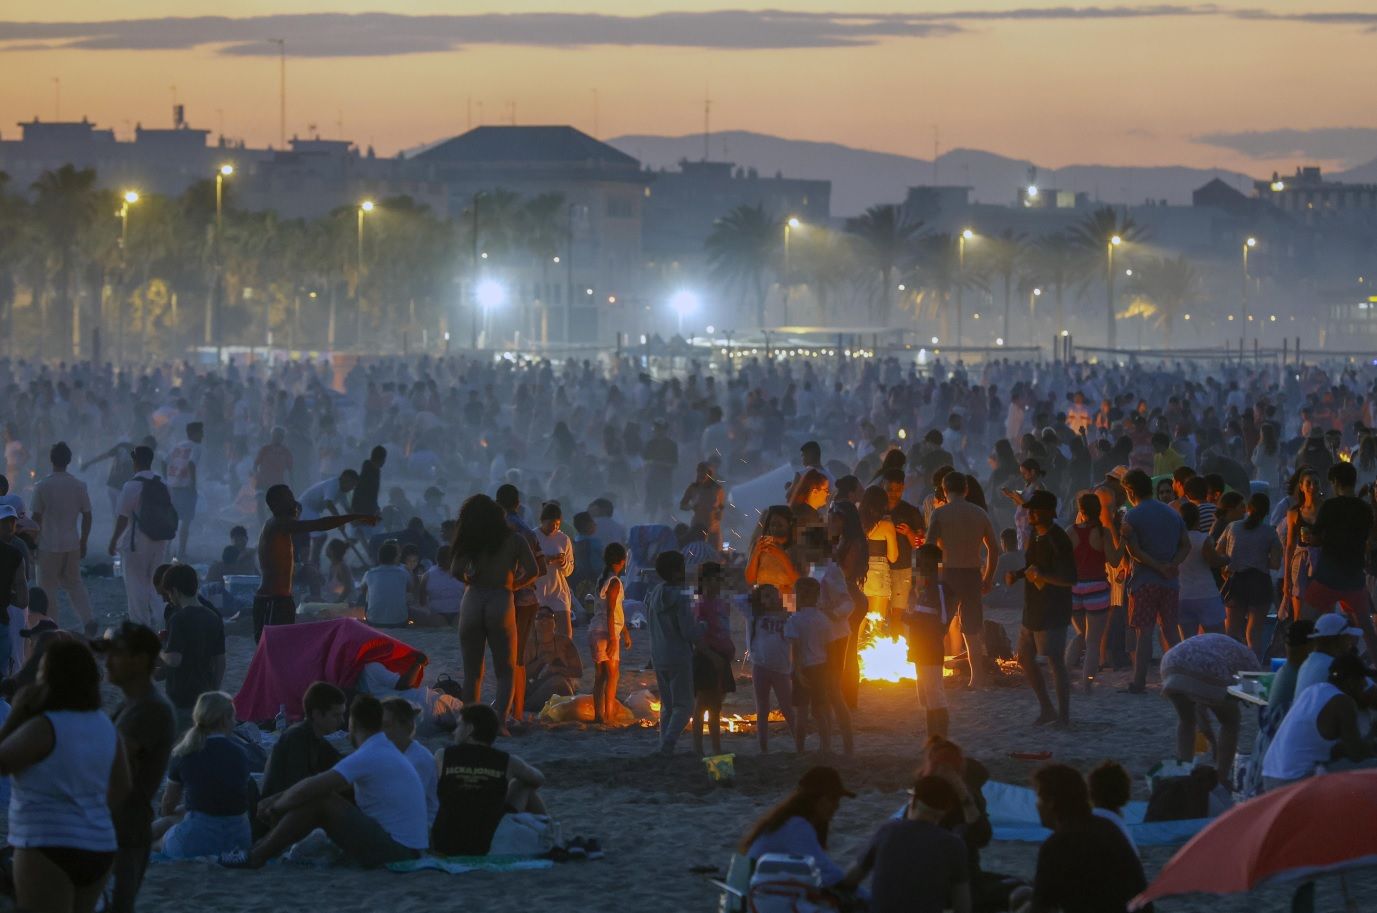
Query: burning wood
x=884, y=657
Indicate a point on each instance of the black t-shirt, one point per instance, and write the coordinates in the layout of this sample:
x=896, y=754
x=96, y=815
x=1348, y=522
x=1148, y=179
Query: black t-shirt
x=11, y=560
x=1053, y=555
x=905, y=512
x=198, y=634
x=473, y=798
x=1087, y=866
x=147, y=727
x=299, y=754
x=1342, y=529
x=915, y=866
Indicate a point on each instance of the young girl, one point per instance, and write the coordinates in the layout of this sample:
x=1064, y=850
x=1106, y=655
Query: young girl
x=927, y=624
x=882, y=543
x=607, y=632
x=771, y=664
x=1096, y=547
x=712, y=657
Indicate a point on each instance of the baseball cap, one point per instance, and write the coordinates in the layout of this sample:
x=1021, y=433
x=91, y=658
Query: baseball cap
x=823, y=781
x=1334, y=624
x=7, y=511
x=130, y=638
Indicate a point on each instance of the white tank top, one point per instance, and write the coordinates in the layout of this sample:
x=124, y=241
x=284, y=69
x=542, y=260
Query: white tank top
x=1298, y=746
x=1196, y=580
x=61, y=800
x=608, y=620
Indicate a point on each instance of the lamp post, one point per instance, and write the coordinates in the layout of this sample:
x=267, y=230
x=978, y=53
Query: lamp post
x=1033, y=297
x=130, y=197
x=789, y=225
x=473, y=277
x=1248, y=245
x=364, y=209
x=1114, y=241
x=221, y=173
x=966, y=235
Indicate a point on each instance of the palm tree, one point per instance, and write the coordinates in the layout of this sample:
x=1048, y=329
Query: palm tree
x=827, y=261
x=1171, y=284
x=66, y=202
x=15, y=247
x=1005, y=257
x=885, y=239
x=741, y=247
x=1094, y=236
x=935, y=273
x=1057, y=263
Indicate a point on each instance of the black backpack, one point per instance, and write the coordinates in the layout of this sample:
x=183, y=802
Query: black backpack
x=156, y=517
x=1182, y=798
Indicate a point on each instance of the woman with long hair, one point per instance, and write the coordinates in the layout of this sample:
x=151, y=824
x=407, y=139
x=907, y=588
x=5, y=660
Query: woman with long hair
x=849, y=553
x=1304, y=489
x=798, y=826
x=69, y=772
x=1096, y=547
x=882, y=548
x=1266, y=456
x=1253, y=551
x=205, y=807
x=492, y=562
x=769, y=560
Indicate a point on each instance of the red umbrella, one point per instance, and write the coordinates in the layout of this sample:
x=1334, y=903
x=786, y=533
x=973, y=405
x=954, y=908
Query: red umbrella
x=1320, y=825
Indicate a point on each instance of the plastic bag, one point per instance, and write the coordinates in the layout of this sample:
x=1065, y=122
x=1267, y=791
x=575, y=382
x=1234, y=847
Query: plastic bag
x=579, y=709
x=645, y=704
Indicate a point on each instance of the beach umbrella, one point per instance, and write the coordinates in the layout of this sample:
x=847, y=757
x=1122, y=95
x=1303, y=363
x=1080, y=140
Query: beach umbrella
x=1321, y=825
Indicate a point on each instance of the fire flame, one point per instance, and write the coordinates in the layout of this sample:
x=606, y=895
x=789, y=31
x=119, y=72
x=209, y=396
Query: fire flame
x=883, y=659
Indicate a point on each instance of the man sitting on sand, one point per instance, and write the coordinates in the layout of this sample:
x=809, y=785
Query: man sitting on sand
x=478, y=785
x=385, y=823
x=302, y=751
x=552, y=662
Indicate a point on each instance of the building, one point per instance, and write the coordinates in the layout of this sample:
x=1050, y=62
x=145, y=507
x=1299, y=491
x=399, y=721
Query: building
x=1309, y=197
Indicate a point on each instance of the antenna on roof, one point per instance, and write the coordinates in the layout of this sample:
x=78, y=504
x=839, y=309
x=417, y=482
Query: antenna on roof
x=707, y=121
x=57, y=98
x=936, y=152
x=595, y=114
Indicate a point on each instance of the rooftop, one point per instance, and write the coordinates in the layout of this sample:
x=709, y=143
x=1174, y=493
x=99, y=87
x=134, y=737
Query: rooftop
x=526, y=145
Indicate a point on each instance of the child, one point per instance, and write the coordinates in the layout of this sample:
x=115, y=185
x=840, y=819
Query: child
x=771, y=667
x=712, y=657
x=811, y=630
x=607, y=633
x=927, y=625
x=385, y=589
x=673, y=632
x=1110, y=787
x=440, y=592
x=1010, y=559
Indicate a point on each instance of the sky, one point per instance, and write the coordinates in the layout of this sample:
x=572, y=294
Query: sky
x=1256, y=87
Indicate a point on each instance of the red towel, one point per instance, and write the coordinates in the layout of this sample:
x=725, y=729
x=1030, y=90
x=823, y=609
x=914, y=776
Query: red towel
x=290, y=657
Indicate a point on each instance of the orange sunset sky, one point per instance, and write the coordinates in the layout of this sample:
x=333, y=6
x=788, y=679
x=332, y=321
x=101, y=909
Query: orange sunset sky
x=1120, y=83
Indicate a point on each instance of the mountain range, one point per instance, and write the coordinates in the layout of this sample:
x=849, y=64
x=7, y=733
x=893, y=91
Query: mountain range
x=862, y=178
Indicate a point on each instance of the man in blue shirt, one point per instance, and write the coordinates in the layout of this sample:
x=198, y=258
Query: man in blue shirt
x=1155, y=538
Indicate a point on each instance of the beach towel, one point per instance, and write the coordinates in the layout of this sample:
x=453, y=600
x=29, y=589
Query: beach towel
x=290, y=657
x=458, y=865
x=1014, y=816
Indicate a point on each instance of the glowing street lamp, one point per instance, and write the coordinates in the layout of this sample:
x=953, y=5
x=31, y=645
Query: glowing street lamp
x=365, y=207
x=1114, y=241
x=684, y=303
x=491, y=294
x=1248, y=244
x=224, y=171
x=966, y=235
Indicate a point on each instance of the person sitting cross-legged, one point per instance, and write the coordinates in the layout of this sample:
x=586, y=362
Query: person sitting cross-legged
x=385, y=823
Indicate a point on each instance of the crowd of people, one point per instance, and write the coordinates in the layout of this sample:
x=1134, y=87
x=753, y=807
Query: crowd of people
x=1117, y=509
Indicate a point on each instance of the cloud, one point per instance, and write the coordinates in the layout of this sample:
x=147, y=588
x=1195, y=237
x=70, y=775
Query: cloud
x=389, y=34
x=1350, y=145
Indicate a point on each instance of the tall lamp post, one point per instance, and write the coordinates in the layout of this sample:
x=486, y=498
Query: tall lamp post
x=1110, y=335
x=364, y=209
x=221, y=173
x=966, y=235
x=130, y=198
x=1248, y=245
x=790, y=224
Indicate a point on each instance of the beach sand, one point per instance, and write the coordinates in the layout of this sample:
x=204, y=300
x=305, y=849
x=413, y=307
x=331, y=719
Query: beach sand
x=660, y=818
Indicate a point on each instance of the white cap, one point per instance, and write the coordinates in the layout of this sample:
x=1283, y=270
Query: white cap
x=1334, y=624
x=7, y=511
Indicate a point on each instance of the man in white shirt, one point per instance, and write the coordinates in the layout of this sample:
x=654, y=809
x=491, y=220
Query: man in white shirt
x=59, y=501
x=385, y=823
x=552, y=589
x=399, y=723
x=141, y=555
x=326, y=498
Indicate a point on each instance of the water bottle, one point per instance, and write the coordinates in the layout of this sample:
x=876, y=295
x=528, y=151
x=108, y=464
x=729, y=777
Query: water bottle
x=119, y=567
x=280, y=723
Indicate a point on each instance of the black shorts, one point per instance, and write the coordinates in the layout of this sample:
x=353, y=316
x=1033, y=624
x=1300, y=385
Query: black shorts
x=966, y=585
x=82, y=867
x=925, y=639
x=272, y=610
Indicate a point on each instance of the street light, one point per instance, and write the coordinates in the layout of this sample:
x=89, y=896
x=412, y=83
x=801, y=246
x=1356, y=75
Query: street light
x=1248, y=245
x=1114, y=241
x=130, y=197
x=684, y=304
x=789, y=225
x=365, y=207
x=224, y=171
x=1033, y=297
x=966, y=235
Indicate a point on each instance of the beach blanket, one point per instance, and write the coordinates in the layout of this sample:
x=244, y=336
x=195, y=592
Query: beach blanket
x=290, y=657
x=458, y=865
x=1014, y=816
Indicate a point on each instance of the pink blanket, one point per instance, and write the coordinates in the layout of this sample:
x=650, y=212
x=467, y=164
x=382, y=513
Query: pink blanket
x=290, y=657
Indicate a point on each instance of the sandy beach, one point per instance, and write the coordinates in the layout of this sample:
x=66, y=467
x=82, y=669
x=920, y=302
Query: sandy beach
x=661, y=819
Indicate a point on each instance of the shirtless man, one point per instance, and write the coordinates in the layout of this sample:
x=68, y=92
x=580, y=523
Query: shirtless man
x=274, y=604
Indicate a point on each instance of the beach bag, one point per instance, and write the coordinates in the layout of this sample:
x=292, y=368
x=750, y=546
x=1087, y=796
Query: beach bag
x=156, y=518
x=1182, y=798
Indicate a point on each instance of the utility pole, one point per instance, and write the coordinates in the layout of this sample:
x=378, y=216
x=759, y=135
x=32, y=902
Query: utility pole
x=707, y=122
x=57, y=98
x=281, y=90
x=595, y=114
